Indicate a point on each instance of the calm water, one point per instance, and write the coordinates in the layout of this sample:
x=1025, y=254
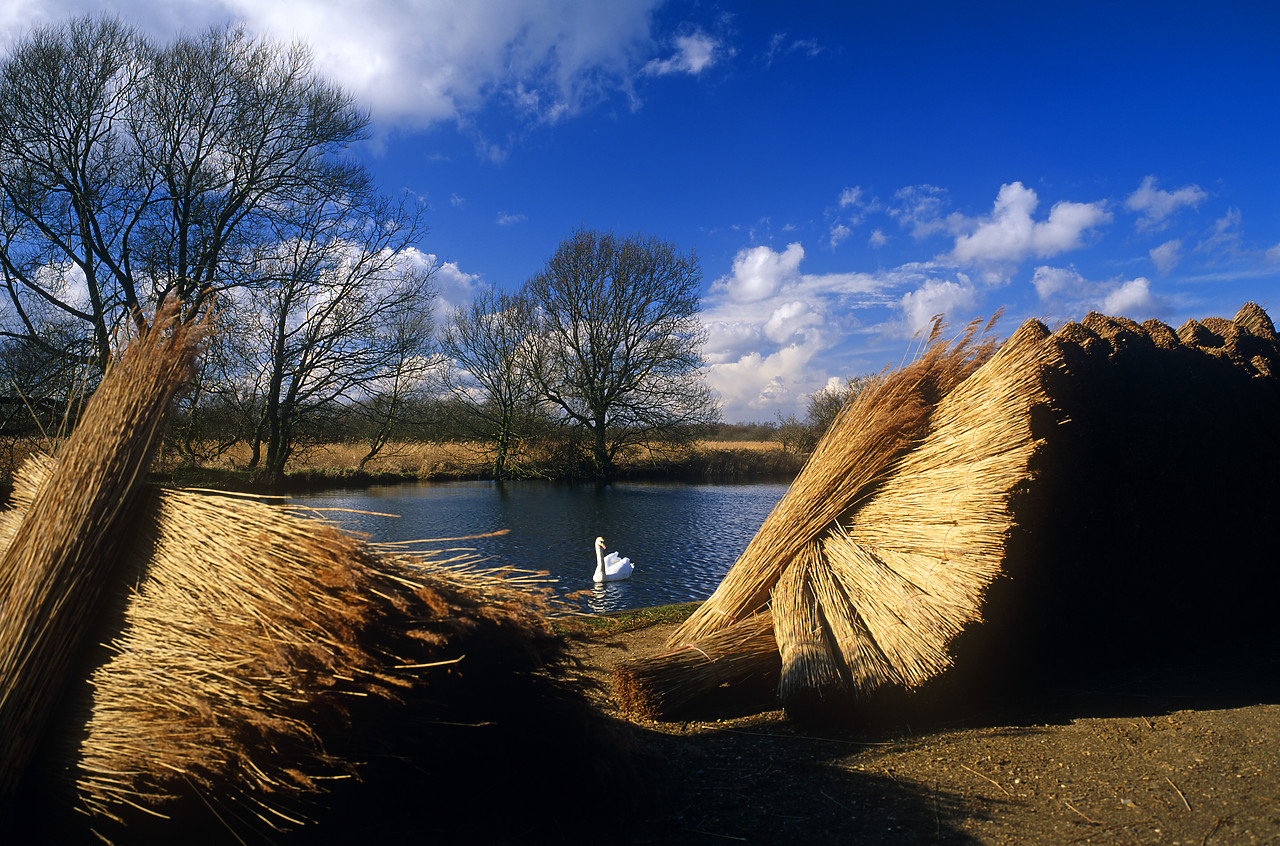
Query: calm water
x=681, y=538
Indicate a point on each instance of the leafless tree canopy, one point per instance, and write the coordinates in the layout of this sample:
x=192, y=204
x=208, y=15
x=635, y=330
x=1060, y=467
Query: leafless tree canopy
x=131, y=172
x=491, y=344
x=209, y=170
x=620, y=341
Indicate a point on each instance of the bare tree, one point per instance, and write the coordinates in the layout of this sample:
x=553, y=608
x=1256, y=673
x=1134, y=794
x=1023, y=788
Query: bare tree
x=410, y=372
x=620, y=347
x=825, y=404
x=338, y=310
x=490, y=344
x=130, y=173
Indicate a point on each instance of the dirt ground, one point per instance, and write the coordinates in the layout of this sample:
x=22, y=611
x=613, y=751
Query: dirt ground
x=1151, y=759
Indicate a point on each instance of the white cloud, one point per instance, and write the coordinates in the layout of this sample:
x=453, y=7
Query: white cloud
x=414, y=63
x=694, y=54
x=1273, y=254
x=839, y=233
x=935, y=297
x=1056, y=282
x=1224, y=235
x=877, y=239
x=454, y=286
x=1156, y=206
x=757, y=385
x=457, y=200
x=1166, y=256
x=1133, y=299
x=505, y=219
x=789, y=322
x=851, y=197
x=760, y=272
x=1009, y=234
x=920, y=209
x=768, y=324
x=1072, y=295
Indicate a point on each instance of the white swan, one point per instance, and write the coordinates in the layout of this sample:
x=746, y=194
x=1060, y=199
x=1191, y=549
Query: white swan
x=610, y=568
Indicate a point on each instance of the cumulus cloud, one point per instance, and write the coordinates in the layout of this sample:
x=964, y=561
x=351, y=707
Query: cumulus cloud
x=760, y=272
x=839, y=233
x=790, y=321
x=877, y=239
x=505, y=219
x=1010, y=235
x=757, y=385
x=1073, y=295
x=454, y=286
x=1156, y=206
x=1133, y=299
x=1054, y=282
x=414, y=63
x=1166, y=256
x=936, y=297
x=768, y=324
x=694, y=53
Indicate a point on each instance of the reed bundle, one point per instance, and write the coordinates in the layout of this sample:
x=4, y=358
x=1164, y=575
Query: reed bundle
x=66, y=547
x=888, y=418
x=667, y=683
x=264, y=672
x=1074, y=467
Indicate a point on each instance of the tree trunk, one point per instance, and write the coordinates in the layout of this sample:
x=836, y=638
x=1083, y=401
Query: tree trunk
x=600, y=453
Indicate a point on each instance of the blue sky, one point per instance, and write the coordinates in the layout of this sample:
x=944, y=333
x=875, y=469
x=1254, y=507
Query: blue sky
x=844, y=171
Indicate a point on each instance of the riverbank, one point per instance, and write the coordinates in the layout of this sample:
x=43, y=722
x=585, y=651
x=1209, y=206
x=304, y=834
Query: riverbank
x=1161, y=757
x=330, y=466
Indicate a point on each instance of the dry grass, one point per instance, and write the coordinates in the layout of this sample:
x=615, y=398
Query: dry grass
x=416, y=458
x=431, y=460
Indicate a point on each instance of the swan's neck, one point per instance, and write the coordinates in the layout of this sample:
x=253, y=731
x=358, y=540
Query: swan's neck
x=599, y=576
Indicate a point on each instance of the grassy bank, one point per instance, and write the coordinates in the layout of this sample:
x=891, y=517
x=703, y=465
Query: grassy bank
x=337, y=465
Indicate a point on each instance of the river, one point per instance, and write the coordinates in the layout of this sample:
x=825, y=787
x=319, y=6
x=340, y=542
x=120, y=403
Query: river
x=682, y=538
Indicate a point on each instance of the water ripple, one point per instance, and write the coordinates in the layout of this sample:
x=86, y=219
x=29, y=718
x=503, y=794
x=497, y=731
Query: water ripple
x=682, y=538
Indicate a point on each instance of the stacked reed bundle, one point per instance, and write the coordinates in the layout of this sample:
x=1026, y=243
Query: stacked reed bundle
x=65, y=549
x=690, y=673
x=888, y=418
x=1072, y=467
x=264, y=673
x=853, y=609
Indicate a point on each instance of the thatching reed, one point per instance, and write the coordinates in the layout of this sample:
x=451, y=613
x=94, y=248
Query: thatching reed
x=688, y=673
x=1067, y=477
x=885, y=420
x=264, y=674
x=64, y=550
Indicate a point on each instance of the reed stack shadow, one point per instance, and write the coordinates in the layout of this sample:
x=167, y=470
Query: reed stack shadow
x=183, y=664
x=995, y=518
